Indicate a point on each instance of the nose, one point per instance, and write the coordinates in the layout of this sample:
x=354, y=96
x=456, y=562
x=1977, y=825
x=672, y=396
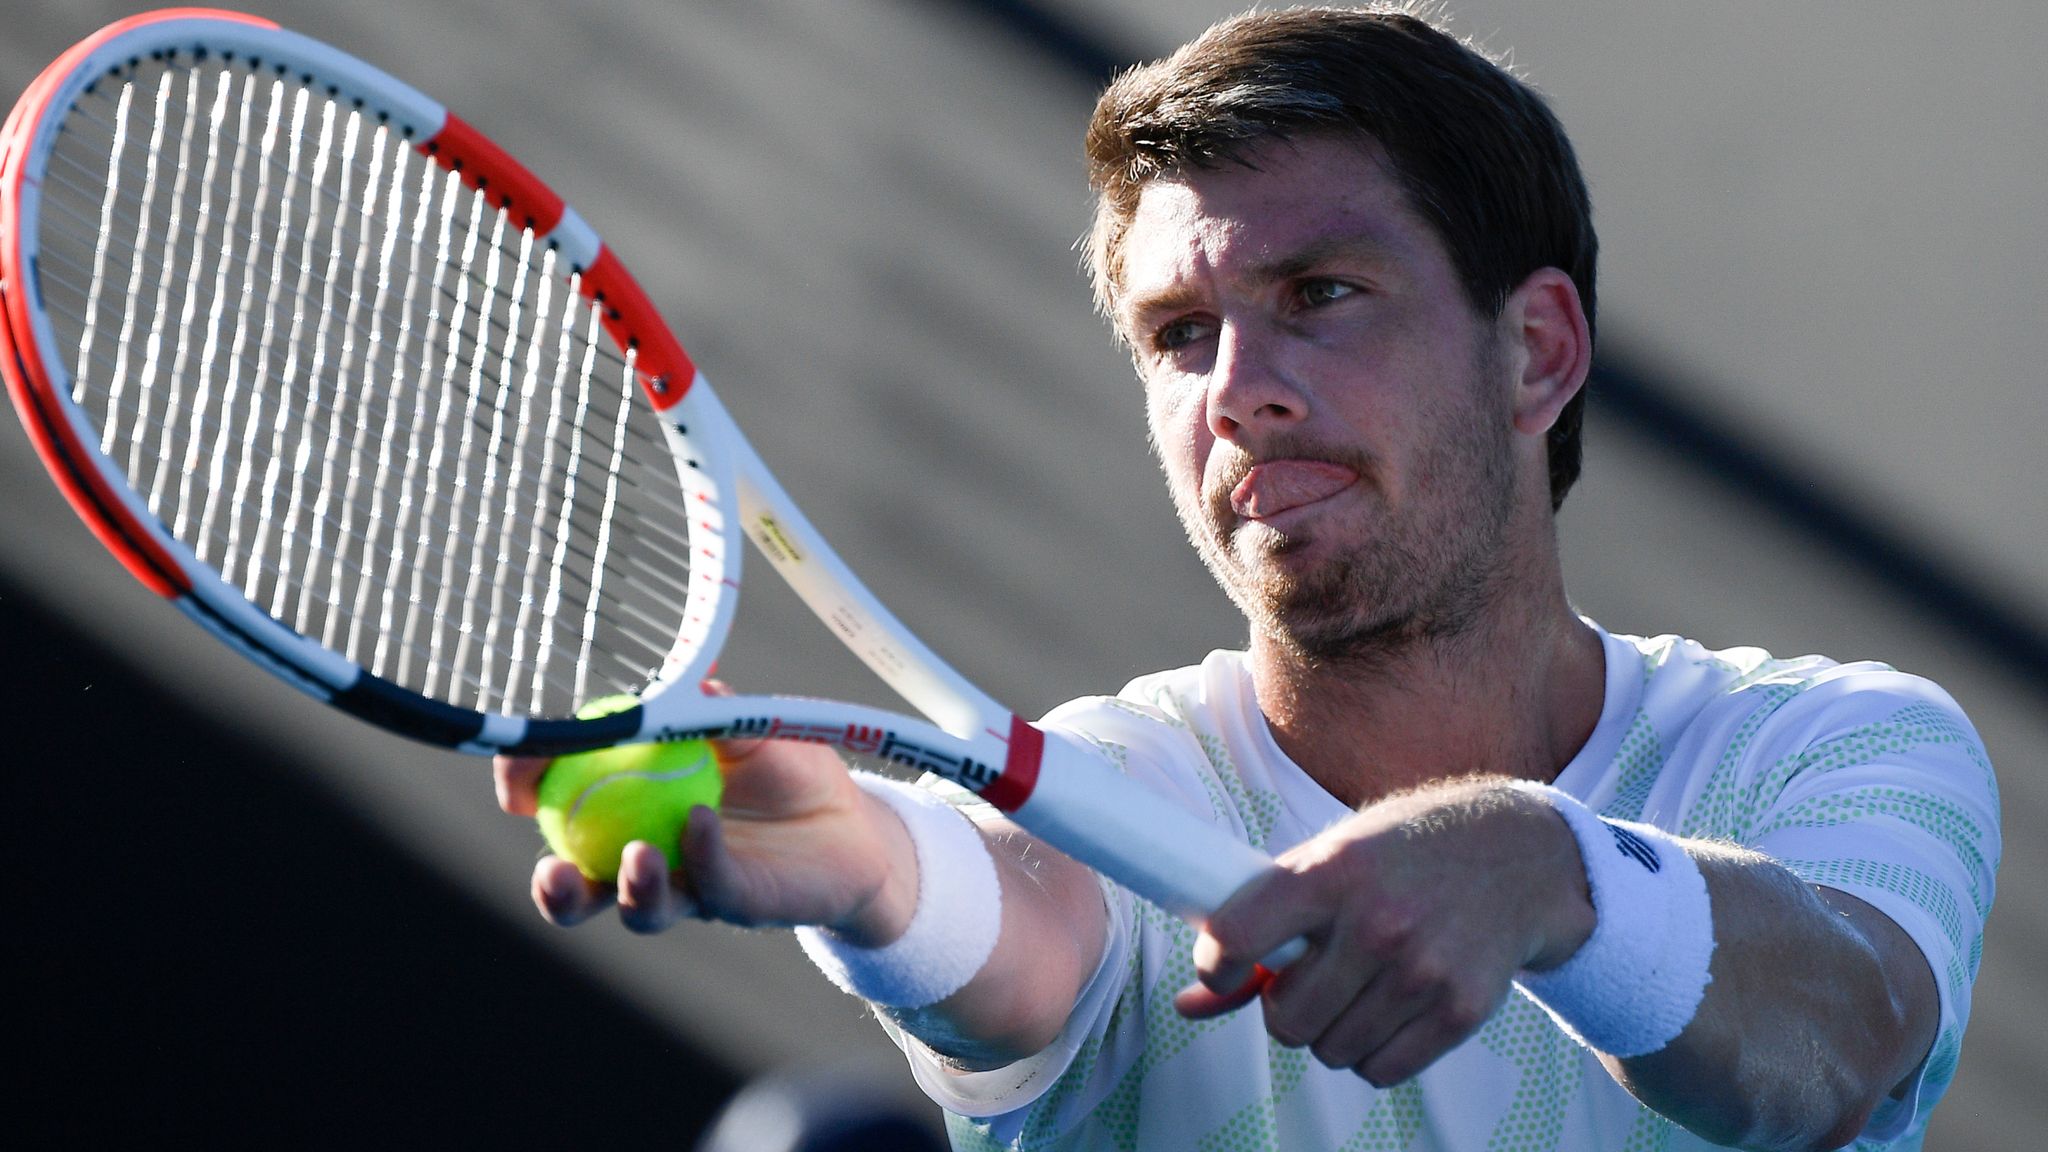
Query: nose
x=1249, y=386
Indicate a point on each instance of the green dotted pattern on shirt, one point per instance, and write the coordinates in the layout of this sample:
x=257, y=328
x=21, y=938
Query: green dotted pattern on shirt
x=1548, y=1066
x=1729, y=805
x=1259, y=809
x=1726, y=807
x=1640, y=758
x=1732, y=809
x=1044, y=1122
x=1116, y=1116
x=1899, y=735
x=1167, y=1034
x=1935, y=816
x=1549, y=1063
x=1651, y=1133
x=1657, y=655
x=970, y=1135
x=1392, y=1121
x=1255, y=1127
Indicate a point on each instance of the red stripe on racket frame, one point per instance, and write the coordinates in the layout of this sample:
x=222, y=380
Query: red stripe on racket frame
x=665, y=369
x=491, y=170
x=1010, y=790
x=629, y=316
x=43, y=409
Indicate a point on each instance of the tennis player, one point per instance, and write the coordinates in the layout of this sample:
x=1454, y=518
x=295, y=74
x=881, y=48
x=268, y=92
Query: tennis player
x=1562, y=889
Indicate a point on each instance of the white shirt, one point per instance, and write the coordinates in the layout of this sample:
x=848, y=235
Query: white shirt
x=1853, y=776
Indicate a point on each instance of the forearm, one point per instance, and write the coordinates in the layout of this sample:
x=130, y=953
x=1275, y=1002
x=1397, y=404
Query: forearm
x=1813, y=1014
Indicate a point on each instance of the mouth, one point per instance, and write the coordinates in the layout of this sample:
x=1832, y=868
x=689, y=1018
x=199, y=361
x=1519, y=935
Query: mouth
x=1271, y=490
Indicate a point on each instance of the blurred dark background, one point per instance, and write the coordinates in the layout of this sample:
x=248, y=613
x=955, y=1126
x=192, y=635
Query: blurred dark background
x=1816, y=427
x=207, y=945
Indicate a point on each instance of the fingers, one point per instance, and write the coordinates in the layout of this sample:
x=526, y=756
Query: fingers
x=517, y=779
x=1385, y=1019
x=1359, y=1035
x=1271, y=910
x=649, y=895
x=1200, y=1002
x=1418, y=1043
x=792, y=841
x=715, y=878
x=730, y=751
x=564, y=895
x=1381, y=990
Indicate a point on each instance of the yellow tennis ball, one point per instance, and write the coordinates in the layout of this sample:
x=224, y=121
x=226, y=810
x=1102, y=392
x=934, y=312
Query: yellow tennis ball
x=593, y=804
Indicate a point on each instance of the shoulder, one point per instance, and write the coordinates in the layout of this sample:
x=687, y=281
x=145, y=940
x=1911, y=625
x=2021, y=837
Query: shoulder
x=1747, y=739
x=1855, y=776
x=1745, y=698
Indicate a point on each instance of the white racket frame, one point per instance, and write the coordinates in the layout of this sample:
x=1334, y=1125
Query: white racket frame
x=1052, y=783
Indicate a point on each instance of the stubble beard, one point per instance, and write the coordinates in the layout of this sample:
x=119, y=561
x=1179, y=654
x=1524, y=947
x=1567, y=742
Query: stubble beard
x=1426, y=573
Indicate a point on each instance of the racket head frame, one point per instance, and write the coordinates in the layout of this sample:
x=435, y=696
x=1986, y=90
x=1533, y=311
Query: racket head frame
x=1052, y=783
x=39, y=380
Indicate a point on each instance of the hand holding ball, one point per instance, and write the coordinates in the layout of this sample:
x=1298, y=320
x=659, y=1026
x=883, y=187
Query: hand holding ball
x=593, y=804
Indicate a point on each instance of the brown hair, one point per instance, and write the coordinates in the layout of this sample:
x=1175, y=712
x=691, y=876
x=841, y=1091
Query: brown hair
x=1478, y=152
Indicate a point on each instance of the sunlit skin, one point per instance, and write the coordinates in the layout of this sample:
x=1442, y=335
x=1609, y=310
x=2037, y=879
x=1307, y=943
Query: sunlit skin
x=1359, y=454
x=1348, y=481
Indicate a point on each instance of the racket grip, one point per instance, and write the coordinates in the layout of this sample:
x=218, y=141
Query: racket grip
x=1282, y=957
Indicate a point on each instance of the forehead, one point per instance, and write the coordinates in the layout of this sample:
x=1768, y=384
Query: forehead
x=1286, y=200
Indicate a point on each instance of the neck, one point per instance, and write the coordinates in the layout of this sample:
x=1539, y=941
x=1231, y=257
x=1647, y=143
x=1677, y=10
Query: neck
x=1516, y=692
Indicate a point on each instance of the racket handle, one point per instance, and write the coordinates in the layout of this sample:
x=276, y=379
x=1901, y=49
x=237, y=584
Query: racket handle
x=1280, y=958
x=1089, y=810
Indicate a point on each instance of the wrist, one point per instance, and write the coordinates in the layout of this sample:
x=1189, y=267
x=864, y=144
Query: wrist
x=885, y=914
x=1564, y=901
x=956, y=904
x=1636, y=981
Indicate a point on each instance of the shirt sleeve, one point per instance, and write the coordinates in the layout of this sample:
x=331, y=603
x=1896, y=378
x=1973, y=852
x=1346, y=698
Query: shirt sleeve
x=1874, y=783
x=1001, y=1094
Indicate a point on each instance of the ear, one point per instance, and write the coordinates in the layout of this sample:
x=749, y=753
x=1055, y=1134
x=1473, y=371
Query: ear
x=1544, y=322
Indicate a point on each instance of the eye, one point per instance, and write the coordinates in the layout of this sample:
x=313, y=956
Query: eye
x=1178, y=334
x=1316, y=293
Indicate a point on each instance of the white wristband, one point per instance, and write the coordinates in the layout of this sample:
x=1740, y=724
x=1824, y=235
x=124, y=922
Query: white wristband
x=959, y=909
x=1636, y=982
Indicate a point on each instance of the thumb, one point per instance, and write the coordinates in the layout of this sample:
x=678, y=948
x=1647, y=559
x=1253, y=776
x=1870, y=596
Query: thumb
x=712, y=879
x=1271, y=916
x=1202, y=1000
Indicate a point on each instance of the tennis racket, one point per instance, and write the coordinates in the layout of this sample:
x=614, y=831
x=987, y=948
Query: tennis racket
x=365, y=399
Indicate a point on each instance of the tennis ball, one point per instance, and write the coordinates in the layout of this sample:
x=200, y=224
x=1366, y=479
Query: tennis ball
x=593, y=804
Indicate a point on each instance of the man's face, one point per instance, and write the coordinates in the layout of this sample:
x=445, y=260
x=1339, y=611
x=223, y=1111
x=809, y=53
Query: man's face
x=1333, y=417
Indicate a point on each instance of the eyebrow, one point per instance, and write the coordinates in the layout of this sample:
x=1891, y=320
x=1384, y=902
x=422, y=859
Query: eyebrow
x=1362, y=246
x=1356, y=247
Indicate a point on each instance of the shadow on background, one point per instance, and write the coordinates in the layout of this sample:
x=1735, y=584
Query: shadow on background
x=205, y=944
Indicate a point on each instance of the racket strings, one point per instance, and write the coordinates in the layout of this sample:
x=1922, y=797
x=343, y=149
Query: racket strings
x=360, y=419
x=373, y=402
x=58, y=262
x=85, y=178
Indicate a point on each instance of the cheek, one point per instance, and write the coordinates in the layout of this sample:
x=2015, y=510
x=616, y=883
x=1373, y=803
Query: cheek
x=1178, y=434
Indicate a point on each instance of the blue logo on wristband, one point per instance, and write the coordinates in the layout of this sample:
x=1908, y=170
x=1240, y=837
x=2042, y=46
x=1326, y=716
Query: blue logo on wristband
x=1634, y=847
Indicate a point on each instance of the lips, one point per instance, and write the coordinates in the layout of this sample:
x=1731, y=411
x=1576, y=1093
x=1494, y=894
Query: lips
x=1281, y=485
